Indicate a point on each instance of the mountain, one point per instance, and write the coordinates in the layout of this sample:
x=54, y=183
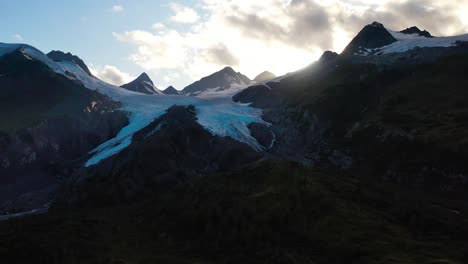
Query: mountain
x=171, y=91
x=359, y=157
x=416, y=30
x=47, y=122
x=218, y=81
x=264, y=76
x=375, y=39
x=142, y=84
x=370, y=37
x=59, y=56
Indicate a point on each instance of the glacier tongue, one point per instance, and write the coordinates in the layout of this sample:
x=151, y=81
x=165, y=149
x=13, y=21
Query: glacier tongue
x=215, y=110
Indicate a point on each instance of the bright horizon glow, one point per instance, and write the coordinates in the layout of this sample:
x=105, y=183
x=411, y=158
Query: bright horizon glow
x=178, y=42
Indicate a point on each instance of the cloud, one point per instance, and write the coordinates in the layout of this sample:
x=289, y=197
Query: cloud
x=220, y=55
x=183, y=14
x=18, y=37
x=111, y=74
x=117, y=8
x=275, y=35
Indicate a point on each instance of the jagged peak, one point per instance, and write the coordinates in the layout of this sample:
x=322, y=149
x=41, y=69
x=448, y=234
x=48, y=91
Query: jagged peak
x=144, y=77
x=372, y=36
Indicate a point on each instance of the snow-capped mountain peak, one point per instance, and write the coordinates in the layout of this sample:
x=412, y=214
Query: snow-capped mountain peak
x=59, y=56
x=224, y=79
x=142, y=84
x=375, y=39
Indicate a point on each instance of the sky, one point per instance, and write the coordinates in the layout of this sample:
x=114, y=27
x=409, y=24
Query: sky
x=178, y=42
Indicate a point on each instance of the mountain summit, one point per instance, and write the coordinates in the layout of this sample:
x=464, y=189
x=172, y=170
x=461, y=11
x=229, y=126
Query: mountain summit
x=170, y=91
x=142, y=84
x=264, y=76
x=58, y=56
x=372, y=36
x=221, y=80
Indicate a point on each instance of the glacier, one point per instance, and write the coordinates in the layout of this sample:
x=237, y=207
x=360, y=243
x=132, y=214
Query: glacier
x=216, y=111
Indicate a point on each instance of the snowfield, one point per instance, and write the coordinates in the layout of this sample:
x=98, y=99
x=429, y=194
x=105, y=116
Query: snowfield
x=408, y=42
x=216, y=111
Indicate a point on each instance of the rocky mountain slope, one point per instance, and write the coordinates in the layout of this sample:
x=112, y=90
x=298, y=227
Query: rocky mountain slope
x=46, y=122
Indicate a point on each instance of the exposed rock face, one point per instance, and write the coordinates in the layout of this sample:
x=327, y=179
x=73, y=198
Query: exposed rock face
x=142, y=84
x=57, y=55
x=171, y=91
x=171, y=149
x=415, y=30
x=220, y=80
x=371, y=36
x=264, y=76
x=263, y=134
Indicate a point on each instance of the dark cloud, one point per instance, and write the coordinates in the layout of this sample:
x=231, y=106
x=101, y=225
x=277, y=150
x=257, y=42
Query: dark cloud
x=256, y=27
x=221, y=55
x=310, y=25
x=425, y=14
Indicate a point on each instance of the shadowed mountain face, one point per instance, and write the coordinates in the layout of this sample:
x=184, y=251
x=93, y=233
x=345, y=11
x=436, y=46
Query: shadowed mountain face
x=46, y=122
x=220, y=80
x=371, y=36
x=57, y=55
x=142, y=84
x=171, y=91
